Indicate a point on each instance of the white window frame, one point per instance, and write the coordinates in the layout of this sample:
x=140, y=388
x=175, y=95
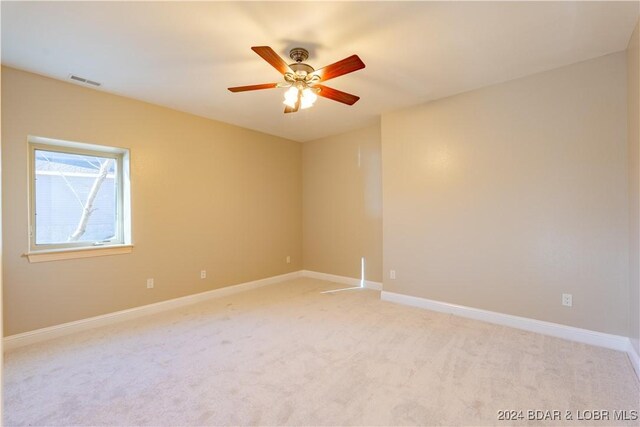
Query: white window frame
x=123, y=216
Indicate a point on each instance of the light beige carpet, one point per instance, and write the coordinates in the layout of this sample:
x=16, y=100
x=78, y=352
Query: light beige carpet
x=289, y=354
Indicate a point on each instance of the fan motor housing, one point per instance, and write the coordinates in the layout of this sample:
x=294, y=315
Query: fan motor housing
x=300, y=54
x=301, y=68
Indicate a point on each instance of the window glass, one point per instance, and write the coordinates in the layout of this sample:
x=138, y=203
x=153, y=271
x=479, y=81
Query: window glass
x=76, y=198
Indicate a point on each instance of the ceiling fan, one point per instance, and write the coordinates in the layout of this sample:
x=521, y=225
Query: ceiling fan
x=303, y=81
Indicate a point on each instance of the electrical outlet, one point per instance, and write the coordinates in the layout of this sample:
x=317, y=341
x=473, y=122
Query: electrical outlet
x=203, y=274
x=288, y=259
x=392, y=274
x=149, y=283
x=567, y=300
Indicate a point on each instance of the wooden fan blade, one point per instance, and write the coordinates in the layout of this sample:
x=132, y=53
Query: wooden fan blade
x=253, y=87
x=337, y=95
x=340, y=68
x=272, y=58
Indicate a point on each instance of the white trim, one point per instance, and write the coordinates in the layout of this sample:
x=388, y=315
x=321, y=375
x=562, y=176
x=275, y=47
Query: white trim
x=26, y=338
x=351, y=281
x=634, y=358
x=376, y=286
x=600, y=339
x=122, y=184
x=73, y=253
x=74, y=145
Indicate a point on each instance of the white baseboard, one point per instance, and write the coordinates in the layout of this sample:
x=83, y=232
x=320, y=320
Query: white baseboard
x=600, y=339
x=26, y=338
x=376, y=286
x=350, y=281
x=586, y=336
x=634, y=357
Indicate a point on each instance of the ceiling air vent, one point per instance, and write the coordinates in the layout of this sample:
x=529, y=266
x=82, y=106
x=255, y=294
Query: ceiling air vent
x=83, y=80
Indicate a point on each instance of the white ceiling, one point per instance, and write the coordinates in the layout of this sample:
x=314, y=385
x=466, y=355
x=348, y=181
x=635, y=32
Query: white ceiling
x=185, y=55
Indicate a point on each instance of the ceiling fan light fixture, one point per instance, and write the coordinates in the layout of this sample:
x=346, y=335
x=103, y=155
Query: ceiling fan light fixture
x=303, y=80
x=291, y=97
x=309, y=97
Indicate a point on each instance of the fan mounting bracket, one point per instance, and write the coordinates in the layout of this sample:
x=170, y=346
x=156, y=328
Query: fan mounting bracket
x=299, y=54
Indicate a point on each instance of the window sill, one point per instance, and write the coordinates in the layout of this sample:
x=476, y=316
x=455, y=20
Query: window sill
x=73, y=253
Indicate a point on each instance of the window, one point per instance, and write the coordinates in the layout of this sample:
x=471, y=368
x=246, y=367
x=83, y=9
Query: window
x=79, y=195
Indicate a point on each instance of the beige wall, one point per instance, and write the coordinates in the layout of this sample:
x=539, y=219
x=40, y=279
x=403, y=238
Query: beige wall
x=506, y=197
x=633, y=88
x=342, y=204
x=501, y=198
x=205, y=195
